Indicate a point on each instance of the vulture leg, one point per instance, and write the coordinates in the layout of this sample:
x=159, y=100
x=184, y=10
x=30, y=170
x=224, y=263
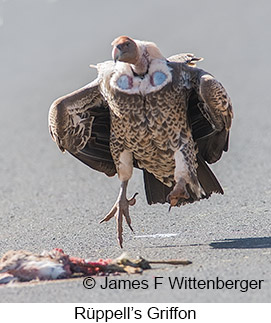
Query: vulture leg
x=187, y=187
x=121, y=207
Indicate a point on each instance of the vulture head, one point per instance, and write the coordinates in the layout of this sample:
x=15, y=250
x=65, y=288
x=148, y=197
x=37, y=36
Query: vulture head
x=125, y=50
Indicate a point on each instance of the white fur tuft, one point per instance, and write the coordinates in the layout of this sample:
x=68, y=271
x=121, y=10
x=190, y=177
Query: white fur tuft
x=141, y=86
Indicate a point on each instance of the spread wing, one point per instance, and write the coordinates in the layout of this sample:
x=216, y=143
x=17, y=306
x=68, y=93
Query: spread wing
x=188, y=58
x=210, y=112
x=80, y=124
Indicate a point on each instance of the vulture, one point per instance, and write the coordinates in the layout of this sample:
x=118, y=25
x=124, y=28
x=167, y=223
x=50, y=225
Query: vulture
x=162, y=115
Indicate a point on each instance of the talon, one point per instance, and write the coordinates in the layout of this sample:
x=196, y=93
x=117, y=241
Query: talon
x=119, y=227
x=109, y=215
x=173, y=201
x=120, y=210
x=132, y=200
x=128, y=221
x=179, y=191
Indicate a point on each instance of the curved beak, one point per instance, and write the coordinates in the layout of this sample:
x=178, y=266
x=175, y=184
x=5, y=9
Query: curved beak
x=116, y=53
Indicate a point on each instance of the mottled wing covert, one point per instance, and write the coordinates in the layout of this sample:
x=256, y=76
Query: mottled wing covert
x=80, y=124
x=216, y=107
x=187, y=58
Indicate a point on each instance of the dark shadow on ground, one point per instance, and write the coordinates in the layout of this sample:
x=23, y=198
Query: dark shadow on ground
x=242, y=243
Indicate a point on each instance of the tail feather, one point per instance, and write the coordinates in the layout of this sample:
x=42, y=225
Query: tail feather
x=156, y=191
x=207, y=179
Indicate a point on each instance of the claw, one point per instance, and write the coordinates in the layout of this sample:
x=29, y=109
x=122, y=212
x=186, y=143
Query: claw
x=120, y=209
x=179, y=191
x=132, y=200
x=128, y=221
x=110, y=214
x=119, y=227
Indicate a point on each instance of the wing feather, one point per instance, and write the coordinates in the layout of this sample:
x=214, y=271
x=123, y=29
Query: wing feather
x=216, y=107
x=187, y=58
x=80, y=123
x=69, y=118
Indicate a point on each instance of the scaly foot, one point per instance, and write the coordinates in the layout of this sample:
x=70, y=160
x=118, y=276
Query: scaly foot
x=183, y=191
x=120, y=209
x=179, y=192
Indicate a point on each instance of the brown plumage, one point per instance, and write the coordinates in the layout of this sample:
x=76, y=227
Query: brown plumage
x=164, y=116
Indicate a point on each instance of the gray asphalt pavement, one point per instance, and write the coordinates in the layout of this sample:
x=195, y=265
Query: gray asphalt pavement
x=50, y=200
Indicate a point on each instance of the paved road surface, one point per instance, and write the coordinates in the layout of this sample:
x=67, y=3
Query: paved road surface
x=51, y=200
